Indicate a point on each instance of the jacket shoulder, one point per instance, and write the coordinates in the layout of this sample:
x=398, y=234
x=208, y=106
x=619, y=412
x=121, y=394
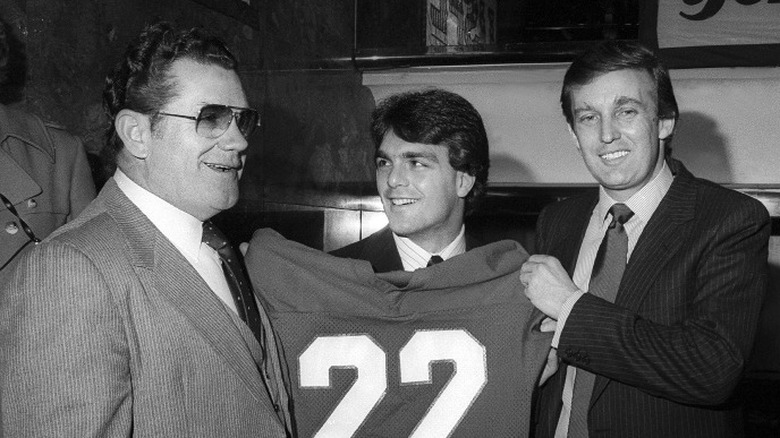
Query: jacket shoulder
x=358, y=250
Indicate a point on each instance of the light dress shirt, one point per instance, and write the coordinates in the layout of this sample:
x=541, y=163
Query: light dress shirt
x=413, y=257
x=184, y=231
x=643, y=203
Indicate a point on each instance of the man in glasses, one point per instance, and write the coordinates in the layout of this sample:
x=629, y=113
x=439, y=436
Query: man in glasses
x=133, y=319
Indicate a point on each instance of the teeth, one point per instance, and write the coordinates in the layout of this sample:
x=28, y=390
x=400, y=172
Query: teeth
x=403, y=201
x=219, y=167
x=614, y=155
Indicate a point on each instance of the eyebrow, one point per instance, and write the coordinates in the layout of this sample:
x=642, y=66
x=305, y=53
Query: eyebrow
x=620, y=101
x=409, y=155
x=623, y=100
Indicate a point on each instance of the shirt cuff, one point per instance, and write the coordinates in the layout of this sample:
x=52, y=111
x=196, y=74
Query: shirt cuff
x=563, y=315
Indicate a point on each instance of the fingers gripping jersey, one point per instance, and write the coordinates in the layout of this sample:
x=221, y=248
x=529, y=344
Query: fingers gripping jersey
x=449, y=351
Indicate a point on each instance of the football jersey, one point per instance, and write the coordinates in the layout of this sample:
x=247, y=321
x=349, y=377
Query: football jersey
x=453, y=350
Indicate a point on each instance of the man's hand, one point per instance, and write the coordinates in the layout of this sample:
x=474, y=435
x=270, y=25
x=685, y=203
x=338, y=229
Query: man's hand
x=546, y=283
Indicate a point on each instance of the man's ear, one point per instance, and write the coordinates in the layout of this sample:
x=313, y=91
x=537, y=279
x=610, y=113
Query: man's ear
x=465, y=183
x=134, y=129
x=665, y=128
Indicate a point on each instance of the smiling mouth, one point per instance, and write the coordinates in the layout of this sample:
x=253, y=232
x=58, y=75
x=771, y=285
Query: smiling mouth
x=221, y=168
x=402, y=201
x=614, y=155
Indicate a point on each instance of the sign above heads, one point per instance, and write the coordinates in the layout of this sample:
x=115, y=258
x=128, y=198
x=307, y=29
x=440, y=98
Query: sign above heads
x=713, y=33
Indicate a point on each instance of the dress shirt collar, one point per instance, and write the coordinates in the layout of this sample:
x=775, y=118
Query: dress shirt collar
x=644, y=202
x=182, y=229
x=414, y=257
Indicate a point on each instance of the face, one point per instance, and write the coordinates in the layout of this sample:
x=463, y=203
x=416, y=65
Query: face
x=196, y=174
x=423, y=196
x=618, y=131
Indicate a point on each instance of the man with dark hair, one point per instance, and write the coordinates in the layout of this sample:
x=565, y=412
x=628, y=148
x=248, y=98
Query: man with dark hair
x=432, y=164
x=45, y=178
x=656, y=280
x=134, y=319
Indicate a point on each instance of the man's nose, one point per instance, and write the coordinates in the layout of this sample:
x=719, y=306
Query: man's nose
x=233, y=139
x=609, y=131
x=397, y=177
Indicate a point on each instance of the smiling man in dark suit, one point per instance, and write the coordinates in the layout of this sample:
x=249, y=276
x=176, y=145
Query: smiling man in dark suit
x=127, y=321
x=655, y=337
x=432, y=164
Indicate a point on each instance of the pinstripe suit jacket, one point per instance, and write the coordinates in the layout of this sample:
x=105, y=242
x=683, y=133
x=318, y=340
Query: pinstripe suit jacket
x=379, y=249
x=670, y=350
x=106, y=330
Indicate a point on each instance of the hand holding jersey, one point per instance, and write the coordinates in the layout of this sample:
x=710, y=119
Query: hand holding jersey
x=451, y=350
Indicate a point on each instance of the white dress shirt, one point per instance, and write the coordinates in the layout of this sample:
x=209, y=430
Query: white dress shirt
x=643, y=203
x=184, y=231
x=414, y=257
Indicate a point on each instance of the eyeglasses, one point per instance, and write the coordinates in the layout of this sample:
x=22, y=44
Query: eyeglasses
x=214, y=120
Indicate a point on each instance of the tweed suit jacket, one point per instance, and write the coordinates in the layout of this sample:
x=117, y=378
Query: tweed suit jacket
x=671, y=349
x=44, y=174
x=379, y=249
x=106, y=330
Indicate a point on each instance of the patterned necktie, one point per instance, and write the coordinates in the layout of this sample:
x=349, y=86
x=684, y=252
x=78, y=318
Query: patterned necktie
x=435, y=260
x=604, y=282
x=236, y=280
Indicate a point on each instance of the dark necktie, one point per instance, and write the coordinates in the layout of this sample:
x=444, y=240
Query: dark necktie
x=604, y=282
x=236, y=280
x=435, y=260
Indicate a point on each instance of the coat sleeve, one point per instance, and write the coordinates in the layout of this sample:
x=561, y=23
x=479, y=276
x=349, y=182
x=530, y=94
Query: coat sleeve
x=64, y=359
x=717, y=288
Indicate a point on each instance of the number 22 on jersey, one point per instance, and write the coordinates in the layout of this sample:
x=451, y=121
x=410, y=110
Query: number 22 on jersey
x=361, y=353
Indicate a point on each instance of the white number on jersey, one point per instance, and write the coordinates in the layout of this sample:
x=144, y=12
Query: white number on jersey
x=424, y=348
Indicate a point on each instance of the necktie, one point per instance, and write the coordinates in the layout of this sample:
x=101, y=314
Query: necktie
x=434, y=260
x=236, y=280
x=605, y=280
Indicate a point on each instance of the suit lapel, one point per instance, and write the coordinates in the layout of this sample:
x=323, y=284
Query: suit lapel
x=15, y=183
x=382, y=252
x=659, y=242
x=571, y=228
x=162, y=268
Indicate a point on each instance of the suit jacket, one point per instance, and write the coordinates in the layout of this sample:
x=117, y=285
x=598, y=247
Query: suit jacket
x=379, y=249
x=671, y=349
x=45, y=175
x=106, y=330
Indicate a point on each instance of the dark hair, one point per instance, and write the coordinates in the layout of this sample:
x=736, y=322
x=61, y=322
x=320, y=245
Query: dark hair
x=141, y=81
x=610, y=56
x=441, y=118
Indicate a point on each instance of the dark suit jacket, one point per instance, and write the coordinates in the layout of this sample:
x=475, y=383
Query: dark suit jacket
x=379, y=249
x=670, y=350
x=45, y=175
x=107, y=330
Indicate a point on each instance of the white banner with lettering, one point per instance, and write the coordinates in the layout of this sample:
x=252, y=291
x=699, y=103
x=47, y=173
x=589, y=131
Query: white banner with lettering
x=696, y=23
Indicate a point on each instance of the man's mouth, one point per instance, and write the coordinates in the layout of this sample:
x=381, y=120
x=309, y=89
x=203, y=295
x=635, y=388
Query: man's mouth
x=221, y=167
x=402, y=201
x=614, y=155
